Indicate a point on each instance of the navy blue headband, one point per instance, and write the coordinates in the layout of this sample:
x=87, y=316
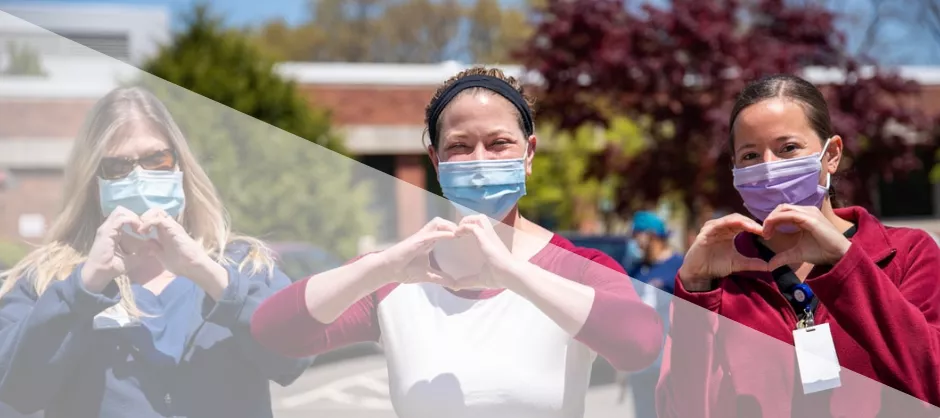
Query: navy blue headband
x=493, y=84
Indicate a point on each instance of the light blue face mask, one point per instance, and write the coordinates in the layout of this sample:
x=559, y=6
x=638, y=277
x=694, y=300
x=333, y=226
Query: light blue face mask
x=488, y=187
x=141, y=191
x=636, y=253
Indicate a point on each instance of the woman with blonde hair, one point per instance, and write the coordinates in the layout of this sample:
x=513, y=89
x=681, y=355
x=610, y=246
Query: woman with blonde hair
x=138, y=304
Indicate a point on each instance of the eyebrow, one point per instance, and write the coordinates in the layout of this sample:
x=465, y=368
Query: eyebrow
x=498, y=131
x=146, y=153
x=780, y=138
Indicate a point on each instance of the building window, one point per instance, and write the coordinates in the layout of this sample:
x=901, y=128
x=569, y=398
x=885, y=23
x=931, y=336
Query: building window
x=115, y=45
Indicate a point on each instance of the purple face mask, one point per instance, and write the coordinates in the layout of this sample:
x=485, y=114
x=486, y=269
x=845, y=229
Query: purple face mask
x=795, y=181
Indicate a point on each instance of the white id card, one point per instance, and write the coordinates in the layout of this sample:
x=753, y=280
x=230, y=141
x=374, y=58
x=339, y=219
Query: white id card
x=114, y=317
x=816, y=356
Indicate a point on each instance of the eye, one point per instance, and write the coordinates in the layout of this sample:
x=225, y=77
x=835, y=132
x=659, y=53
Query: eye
x=749, y=156
x=789, y=148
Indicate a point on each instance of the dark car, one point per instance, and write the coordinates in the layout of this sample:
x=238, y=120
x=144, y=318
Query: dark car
x=300, y=260
x=616, y=246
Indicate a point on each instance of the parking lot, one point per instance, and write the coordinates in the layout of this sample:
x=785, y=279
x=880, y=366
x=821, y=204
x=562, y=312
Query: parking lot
x=358, y=388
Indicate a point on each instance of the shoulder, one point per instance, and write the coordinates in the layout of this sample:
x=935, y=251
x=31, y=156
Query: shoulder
x=877, y=238
x=907, y=234
x=250, y=256
x=912, y=239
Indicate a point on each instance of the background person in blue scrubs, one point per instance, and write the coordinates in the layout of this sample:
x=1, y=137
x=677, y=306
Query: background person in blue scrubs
x=655, y=275
x=139, y=302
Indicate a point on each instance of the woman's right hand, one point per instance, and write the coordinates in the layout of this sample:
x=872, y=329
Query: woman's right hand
x=409, y=261
x=105, y=261
x=713, y=254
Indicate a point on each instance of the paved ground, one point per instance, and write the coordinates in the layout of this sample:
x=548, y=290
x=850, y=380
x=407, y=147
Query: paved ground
x=358, y=388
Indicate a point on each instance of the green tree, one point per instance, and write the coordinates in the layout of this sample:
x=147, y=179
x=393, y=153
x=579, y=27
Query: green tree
x=496, y=31
x=281, y=42
x=11, y=252
x=412, y=31
x=23, y=60
x=223, y=65
x=274, y=185
x=368, y=31
x=563, y=186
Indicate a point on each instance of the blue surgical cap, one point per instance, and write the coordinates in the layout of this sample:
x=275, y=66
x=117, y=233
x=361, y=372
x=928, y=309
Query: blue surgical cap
x=644, y=221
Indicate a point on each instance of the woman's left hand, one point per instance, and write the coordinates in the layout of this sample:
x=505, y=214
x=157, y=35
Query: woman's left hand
x=497, y=258
x=179, y=252
x=820, y=242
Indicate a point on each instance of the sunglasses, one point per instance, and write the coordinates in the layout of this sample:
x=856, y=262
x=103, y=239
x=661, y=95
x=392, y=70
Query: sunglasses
x=113, y=168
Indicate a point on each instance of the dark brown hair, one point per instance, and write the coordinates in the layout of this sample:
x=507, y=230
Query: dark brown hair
x=492, y=72
x=788, y=87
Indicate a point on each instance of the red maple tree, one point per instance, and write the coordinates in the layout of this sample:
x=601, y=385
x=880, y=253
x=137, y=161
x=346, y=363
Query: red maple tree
x=677, y=71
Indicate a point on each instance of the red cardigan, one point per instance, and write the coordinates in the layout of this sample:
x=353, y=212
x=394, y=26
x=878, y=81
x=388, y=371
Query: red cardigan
x=882, y=301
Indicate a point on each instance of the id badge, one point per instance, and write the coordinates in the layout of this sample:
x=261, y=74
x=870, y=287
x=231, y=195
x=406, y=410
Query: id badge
x=115, y=317
x=817, y=359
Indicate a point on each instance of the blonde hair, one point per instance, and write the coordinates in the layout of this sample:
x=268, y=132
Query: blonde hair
x=72, y=233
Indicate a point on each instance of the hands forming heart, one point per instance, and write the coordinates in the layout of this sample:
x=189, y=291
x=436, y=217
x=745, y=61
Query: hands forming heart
x=713, y=254
x=172, y=245
x=820, y=243
x=496, y=257
x=467, y=254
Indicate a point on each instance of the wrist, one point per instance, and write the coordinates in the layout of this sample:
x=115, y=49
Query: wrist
x=92, y=280
x=511, y=273
x=844, y=248
x=380, y=270
x=694, y=283
x=211, y=276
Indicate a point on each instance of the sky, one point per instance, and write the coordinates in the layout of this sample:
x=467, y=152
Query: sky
x=915, y=47
x=236, y=12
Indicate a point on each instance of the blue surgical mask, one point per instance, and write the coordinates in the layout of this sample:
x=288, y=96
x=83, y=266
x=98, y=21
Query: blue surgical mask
x=488, y=187
x=636, y=253
x=142, y=190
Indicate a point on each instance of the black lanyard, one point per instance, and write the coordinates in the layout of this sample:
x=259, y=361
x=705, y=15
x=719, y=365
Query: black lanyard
x=796, y=292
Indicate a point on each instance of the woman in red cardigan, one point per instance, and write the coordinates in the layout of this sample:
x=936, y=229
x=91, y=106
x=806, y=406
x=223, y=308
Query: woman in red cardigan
x=868, y=293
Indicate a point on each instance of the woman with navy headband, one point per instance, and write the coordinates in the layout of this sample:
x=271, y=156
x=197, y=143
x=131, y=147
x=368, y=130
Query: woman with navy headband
x=515, y=338
x=832, y=282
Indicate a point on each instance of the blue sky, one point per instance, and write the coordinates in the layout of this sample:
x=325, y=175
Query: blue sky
x=238, y=12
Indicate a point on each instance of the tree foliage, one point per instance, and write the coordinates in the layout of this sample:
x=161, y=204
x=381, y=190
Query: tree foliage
x=22, y=60
x=223, y=65
x=677, y=70
x=274, y=185
x=559, y=189
x=398, y=31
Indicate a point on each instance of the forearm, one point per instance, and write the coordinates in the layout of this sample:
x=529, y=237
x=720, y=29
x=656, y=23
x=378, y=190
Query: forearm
x=213, y=279
x=610, y=319
x=329, y=294
x=566, y=302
